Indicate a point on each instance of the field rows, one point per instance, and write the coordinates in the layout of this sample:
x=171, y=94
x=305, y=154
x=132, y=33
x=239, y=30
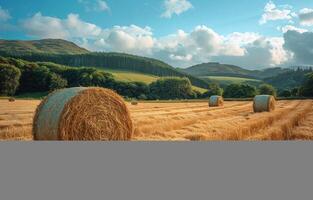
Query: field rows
x=187, y=121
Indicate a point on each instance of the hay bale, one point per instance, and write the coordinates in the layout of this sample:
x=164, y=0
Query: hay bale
x=216, y=101
x=82, y=114
x=134, y=103
x=11, y=99
x=264, y=103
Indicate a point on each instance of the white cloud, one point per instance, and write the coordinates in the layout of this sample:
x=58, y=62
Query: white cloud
x=95, y=5
x=129, y=39
x=301, y=45
x=103, y=6
x=4, y=14
x=306, y=17
x=175, y=7
x=180, y=49
x=273, y=13
x=286, y=28
x=51, y=27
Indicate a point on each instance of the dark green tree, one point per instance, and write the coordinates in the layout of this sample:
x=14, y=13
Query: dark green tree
x=9, y=79
x=56, y=82
x=307, y=89
x=214, y=89
x=240, y=91
x=284, y=93
x=267, y=89
x=171, y=88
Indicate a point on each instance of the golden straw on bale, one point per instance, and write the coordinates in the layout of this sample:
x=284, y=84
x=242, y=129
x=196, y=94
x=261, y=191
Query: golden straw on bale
x=83, y=114
x=216, y=101
x=264, y=103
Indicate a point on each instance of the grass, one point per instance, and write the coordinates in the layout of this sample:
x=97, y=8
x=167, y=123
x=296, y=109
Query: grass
x=132, y=76
x=225, y=80
x=145, y=78
x=34, y=95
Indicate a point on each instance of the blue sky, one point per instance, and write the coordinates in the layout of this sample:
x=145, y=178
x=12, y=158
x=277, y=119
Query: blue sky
x=180, y=32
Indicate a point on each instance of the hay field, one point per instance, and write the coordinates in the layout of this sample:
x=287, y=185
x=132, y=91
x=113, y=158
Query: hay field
x=292, y=120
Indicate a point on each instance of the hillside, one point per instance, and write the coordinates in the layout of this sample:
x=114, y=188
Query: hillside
x=111, y=61
x=145, y=78
x=223, y=81
x=224, y=70
x=217, y=69
x=51, y=46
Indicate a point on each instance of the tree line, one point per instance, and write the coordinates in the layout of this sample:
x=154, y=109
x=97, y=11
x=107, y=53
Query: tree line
x=116, y=61
x=20, y=76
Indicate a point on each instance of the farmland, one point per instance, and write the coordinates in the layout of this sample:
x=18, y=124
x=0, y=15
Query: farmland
x=128, y=76
x=187, y=121
x=225, y=80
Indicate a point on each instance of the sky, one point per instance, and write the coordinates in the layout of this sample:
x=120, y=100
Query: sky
x=252, y=34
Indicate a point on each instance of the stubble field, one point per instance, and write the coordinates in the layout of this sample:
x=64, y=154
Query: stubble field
x=292, y=120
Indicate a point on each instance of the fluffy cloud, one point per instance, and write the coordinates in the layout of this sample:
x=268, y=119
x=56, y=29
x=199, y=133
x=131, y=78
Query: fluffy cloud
x=272, y=13
x=287, y=28
x=51, y=27
x=180, y=49
x=263, y=52
x=175, y=7
x=203, y=44
x=129, y=39
x=306, y=17
x=4, y=14
x=301, y=45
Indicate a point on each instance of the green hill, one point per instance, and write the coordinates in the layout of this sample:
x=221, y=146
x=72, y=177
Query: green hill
x=108, y=61
x=145, y=78
x=223, y=81
x=224, y=70
x=217, y=69
x=53, y=46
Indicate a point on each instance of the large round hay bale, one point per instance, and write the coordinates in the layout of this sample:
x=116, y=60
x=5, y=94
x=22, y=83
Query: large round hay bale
x=264, y=103
x=216, y=101
x=83, y=114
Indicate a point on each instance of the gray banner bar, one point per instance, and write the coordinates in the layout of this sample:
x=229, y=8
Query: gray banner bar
x=156, y=171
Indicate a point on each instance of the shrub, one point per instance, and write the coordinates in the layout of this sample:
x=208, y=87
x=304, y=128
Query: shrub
x=171, y=88
x=267, y=89
x=9, y=79
x=214, y=89
x=307, y=89
x=56, y=82
x=240, y=91
x=284, y=93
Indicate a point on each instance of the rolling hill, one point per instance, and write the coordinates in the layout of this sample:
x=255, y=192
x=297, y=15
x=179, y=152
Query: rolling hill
x=217, y=69
x=145, y=78
x=223, y=81
x=225, y=70
x=67, y=53
x=47, y=46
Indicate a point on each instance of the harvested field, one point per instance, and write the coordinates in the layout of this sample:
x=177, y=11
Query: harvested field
x=292, y=120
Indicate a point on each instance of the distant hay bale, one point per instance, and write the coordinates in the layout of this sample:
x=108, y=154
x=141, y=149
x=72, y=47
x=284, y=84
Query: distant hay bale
x=11, y=99
x=134, y=103
x=216, y=101
x=264, y=103
x=83, y=114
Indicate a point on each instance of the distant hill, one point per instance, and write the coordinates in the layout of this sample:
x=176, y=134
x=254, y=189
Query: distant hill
x=217, y=69
x=52, y=46
x=67, y=53
x=225, y=70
